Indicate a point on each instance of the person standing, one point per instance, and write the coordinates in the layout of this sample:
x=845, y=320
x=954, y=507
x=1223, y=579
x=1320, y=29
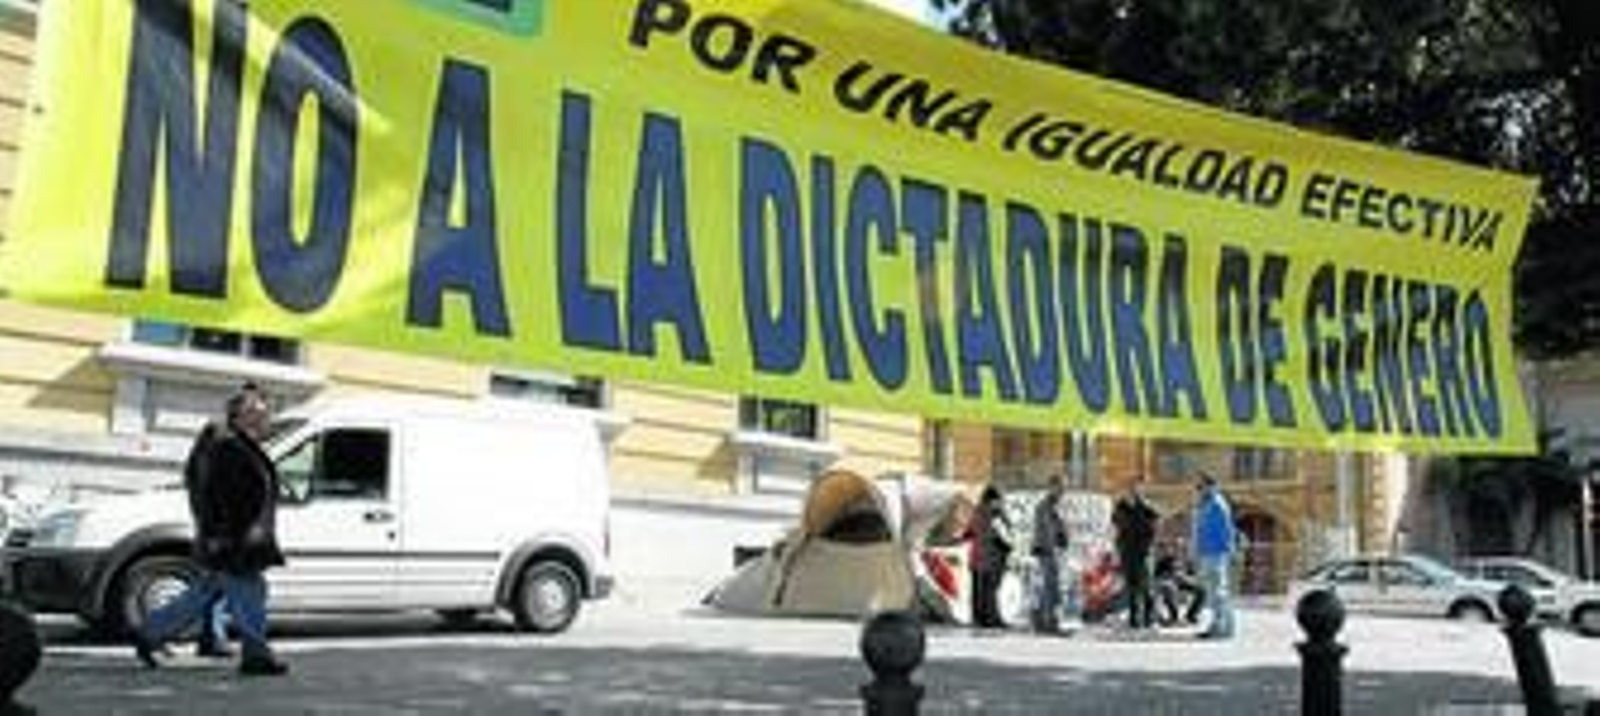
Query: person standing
x=1214, y=539
x=235, y=538
x=991, y=549
x=1049, y=538
x=1135, y=520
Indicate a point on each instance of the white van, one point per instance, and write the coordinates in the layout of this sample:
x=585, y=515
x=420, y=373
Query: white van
x=388, y=504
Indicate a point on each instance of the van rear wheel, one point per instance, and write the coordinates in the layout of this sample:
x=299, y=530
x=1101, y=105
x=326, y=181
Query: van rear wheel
x=547, y=598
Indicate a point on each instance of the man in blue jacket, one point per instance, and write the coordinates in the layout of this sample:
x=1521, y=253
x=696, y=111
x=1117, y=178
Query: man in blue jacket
x=1213, y=546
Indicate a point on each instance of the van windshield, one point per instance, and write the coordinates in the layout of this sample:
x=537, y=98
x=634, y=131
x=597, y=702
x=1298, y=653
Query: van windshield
x=277, y=429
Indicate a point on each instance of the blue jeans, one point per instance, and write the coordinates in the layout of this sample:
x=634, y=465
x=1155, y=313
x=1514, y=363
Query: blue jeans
x=245, y=596
x=1214, y=575
x=216, y=626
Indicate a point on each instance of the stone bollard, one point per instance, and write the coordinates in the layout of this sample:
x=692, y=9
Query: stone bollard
x=19, y=655
x=1538, y=684
x=1321, y=616
x=892, y=643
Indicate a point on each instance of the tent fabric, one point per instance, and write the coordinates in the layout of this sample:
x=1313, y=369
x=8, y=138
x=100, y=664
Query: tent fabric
x=849, y=555
x=838, y=494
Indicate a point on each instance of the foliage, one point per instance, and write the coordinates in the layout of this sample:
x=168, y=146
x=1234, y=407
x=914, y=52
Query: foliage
x=1495, y=489
x=1513, y=84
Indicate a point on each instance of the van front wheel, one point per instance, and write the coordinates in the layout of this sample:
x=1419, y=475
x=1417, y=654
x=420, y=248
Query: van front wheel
x=547, y=598
x=148, y=584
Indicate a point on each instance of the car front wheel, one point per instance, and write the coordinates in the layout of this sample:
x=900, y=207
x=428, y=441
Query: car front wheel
x=1471, y=612
x=547, y=598
x=1586, y=619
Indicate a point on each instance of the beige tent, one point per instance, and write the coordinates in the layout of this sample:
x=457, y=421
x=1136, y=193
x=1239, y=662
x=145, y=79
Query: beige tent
x=849, y=556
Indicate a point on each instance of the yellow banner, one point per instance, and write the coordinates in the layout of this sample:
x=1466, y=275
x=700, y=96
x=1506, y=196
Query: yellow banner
x=804, y=199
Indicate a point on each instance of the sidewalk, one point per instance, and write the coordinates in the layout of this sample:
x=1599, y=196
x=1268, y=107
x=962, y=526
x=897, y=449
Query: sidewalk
x=644, y=659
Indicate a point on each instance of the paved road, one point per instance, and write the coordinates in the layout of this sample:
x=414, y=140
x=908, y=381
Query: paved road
x=621, y=661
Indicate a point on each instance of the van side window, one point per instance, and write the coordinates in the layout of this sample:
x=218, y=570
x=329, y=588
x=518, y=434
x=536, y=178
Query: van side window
x=354, y=464
x=295, y=469
x=338, y=464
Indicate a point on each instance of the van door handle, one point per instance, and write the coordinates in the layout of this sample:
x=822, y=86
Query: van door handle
x=378, y=516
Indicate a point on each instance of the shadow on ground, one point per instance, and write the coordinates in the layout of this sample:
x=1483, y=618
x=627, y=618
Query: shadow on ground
x=66, y=632
x=538, y=678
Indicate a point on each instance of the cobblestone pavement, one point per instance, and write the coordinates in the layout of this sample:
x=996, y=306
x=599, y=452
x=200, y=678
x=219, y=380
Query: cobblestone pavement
x=620, y=661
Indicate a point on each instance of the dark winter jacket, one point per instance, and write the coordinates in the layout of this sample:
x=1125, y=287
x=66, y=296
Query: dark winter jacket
x=1049, y=531
x=1135, y=520
x=234, y=494
x=194, y=474
x=992, y=543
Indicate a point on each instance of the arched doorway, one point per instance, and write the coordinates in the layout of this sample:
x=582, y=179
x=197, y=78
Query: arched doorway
x=1488, y=525
x=1264, y=546
x=1261, y=542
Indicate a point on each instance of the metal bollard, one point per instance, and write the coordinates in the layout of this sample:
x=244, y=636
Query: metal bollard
x=892, y=644
x=19, y=654
x=1538, y=684
x=1321, y=616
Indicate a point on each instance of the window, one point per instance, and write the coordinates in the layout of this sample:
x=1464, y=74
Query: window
x=349, y=464
x=1352, y=573
x=582, y=391
x=1171, y=462
x=1402, y=575
x=282, y=428
x=1258, y=464
x=1008, y=449
x=1512, y=574
x=780, y=417
x=212, y=340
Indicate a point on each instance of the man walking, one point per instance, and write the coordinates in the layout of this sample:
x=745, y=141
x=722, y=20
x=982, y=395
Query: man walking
x=1049, y=538
x=1135, y=520
x=213, y=640
x=235, y=538
x=1214, y=545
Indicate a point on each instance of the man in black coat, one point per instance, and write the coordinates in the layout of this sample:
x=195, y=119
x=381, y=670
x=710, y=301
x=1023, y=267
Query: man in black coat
x=213, y=642
x=1135, y=520
x=234, y=497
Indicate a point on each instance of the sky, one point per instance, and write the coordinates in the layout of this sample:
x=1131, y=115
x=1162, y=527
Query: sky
x=914, y=9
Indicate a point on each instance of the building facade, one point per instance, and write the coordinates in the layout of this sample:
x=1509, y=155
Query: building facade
x=1290, y=505
x=99, y=403
x=94, y=403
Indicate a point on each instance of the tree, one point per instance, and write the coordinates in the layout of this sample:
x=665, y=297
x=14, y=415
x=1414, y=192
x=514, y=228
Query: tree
x=1488, y=492
x=1513, y=84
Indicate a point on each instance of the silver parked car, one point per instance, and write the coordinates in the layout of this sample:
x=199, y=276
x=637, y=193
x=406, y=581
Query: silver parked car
x=1561, y=597
x=1403, y=585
